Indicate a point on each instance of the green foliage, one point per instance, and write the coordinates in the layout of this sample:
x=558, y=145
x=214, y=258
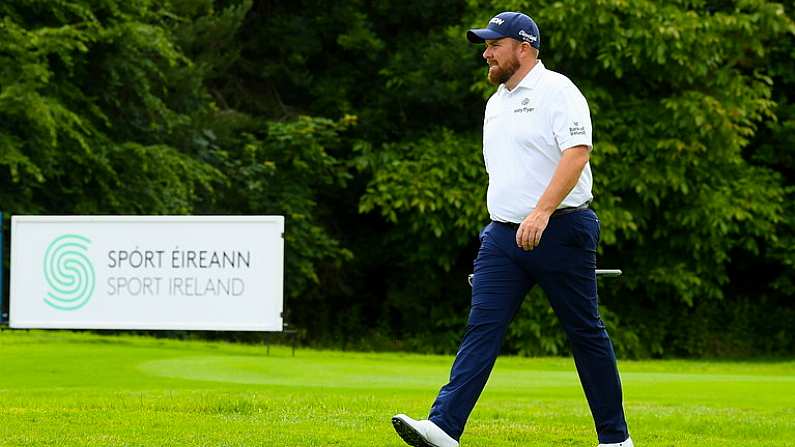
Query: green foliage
x=361, y=124
x=676, y=157
x=106, y=107
x=439, y=177
x=90, y=109
x=678, y=91
x=282, y=168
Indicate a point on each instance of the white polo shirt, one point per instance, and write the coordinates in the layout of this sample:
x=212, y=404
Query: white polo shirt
x=525, y=131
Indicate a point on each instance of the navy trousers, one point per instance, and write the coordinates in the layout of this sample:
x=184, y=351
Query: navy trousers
x=564, y=265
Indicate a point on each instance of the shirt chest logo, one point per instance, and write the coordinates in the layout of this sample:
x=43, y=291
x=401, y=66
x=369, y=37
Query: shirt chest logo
x=525, y=103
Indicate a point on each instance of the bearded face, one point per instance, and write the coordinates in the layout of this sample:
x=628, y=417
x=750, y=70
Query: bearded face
x=501, y=55
x=500, y=72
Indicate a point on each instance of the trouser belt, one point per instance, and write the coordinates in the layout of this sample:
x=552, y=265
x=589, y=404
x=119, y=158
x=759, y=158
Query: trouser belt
x=556, y=213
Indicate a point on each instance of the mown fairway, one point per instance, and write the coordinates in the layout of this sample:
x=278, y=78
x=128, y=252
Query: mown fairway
x=62, y=388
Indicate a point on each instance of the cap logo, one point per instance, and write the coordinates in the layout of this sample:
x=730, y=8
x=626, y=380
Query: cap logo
x=528, y=37
x=497, y=20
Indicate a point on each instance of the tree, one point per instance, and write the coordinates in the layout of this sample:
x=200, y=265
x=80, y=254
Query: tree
x=92, y=109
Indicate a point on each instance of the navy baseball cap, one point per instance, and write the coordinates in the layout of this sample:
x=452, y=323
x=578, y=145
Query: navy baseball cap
x=508, y=24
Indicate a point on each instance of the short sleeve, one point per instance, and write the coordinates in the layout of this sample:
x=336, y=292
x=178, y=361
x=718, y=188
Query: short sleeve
x=571, y=119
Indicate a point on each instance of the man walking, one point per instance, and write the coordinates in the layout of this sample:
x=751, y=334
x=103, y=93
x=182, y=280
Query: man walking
x=536, y=146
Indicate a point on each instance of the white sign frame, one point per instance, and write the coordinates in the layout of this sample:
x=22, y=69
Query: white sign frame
x=223, y=273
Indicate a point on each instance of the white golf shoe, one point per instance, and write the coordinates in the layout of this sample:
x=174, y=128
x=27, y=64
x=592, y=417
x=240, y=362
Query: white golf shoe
x=627, y=443
x=422, y=433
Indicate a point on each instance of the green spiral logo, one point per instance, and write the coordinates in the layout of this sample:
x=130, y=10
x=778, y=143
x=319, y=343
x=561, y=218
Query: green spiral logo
x=68, y=272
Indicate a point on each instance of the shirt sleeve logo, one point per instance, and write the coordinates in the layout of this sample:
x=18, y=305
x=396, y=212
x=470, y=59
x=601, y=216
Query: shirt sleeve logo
x=576, y=129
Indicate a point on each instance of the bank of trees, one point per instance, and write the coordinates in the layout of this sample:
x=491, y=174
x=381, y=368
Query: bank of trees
x=361, y=124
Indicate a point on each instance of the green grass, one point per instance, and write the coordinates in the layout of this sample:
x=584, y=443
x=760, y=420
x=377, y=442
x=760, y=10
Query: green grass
x=63, y=388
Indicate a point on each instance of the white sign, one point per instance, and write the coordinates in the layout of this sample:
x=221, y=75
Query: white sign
x=147, y=272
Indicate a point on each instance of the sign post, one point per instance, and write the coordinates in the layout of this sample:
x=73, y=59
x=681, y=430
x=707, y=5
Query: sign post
x=3, y=313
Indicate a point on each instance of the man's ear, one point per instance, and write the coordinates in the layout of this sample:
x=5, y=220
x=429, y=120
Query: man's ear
x=533, y=50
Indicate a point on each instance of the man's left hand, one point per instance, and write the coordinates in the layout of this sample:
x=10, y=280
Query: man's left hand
x=530, y=230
